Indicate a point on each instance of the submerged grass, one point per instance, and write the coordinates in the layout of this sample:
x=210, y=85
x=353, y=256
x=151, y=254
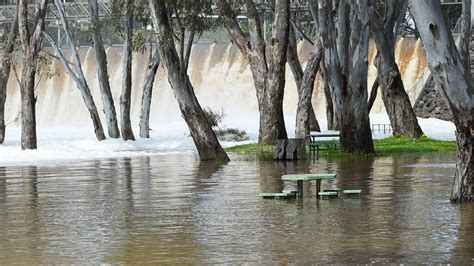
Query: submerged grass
x=383, y=147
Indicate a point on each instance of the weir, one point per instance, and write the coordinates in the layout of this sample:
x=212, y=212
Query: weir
x=219, y=73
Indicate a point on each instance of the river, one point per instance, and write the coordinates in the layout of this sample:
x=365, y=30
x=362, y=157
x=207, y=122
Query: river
x=170, y=209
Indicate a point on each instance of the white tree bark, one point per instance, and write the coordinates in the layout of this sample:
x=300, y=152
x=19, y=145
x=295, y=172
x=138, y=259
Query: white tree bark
x=77, y=74
x=447, y=67
x=102, y=73
x=125, y=97
x=147, y=94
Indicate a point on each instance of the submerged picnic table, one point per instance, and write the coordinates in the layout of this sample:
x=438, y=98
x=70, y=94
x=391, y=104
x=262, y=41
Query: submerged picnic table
x=299, y=178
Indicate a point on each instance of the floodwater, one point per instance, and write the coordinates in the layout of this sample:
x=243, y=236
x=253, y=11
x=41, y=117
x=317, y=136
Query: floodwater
x=173, y=209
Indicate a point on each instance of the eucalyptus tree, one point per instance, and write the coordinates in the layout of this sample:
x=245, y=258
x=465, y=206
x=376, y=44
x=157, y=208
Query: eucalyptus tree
x=456, y=87
x=306, y=120
x=189, y=17
x=396, y=101
x=347, y=70
x=102, y=71
x=5, y=67
x=74, y=70
x=154, y=62
x=268, y=70
x=31, y=44
x=125, y=97
x=305, y=85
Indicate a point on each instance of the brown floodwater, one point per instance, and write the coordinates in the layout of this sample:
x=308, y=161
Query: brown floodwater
x=174, y=210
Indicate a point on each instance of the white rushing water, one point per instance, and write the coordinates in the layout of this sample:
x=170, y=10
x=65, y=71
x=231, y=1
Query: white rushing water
x=222, y=81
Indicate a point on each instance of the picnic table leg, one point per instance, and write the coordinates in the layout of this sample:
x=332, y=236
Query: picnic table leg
x=318, y=187
x=300, y=188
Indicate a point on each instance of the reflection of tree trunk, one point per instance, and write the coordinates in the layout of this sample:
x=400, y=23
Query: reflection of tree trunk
x=455, y=86
x=147, y=94
x=464, y=233
x=126, y=97
x=5, y=71
x=3, y=184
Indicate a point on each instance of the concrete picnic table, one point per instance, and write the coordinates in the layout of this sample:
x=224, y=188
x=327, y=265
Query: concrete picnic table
x=299, y=178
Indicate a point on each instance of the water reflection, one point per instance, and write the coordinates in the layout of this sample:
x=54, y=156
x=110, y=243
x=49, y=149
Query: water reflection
x=174, y=209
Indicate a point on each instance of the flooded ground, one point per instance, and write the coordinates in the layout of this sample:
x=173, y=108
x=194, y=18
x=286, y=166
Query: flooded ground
x=173, y=209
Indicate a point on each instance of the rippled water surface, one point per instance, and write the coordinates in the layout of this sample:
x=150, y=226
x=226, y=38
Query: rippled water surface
x=173, y=209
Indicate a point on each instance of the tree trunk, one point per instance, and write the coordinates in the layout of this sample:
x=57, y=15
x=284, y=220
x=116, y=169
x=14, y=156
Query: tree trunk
x=102, y=73
x=356, y=136
x=328, y=97
x=303, y=114
x=204, y=137
x=5, y=72
x=465, y=38
x=126, y=97
x=269, y=79
x=290, y=149
x=373, y=93
x=455, y=85
x=147, y=94
x=397, y=104
x=333, y=74
x=306, y=121
x=31, y=44
x=78, y=74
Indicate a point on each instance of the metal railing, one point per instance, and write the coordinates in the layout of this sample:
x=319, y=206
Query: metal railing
x=77, y=10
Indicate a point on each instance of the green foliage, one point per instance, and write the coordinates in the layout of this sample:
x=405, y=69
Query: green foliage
x=191, y=15
x=140, y=38
x=213, y=118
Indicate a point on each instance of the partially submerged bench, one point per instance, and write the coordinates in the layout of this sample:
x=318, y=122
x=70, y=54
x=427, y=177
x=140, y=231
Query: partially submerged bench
x=299, y=178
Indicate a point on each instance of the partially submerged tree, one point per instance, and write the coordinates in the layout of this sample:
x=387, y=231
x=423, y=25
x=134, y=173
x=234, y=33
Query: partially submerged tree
x=268, y=70
x=31, y=44
x=455, y=85
x=396, y=101
x=77, y=74
x=102, y=72
x=347, y=71
x=5, y=67
x=204, y=137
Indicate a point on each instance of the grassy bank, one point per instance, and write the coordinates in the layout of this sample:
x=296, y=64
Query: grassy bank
x=383, y=147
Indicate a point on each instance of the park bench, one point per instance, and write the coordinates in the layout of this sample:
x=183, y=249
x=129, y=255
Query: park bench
x=320, y=141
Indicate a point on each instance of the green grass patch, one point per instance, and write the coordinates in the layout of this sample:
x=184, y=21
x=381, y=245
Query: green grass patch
x=253, y=151
x=394, y=145
x=383, y=147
